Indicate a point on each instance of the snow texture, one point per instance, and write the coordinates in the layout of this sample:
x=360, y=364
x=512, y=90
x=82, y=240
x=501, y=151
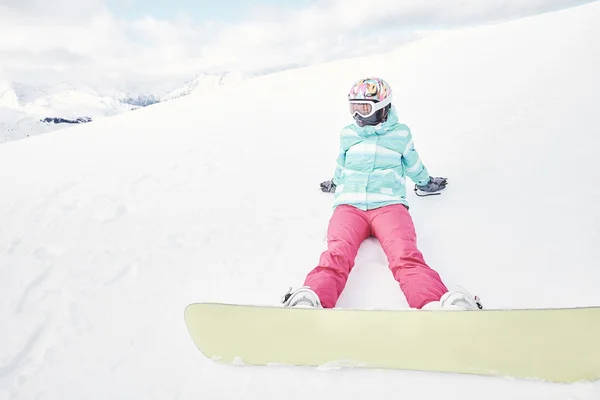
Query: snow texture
x=109, y=229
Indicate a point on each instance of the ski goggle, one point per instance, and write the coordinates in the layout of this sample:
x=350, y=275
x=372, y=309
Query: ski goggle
x=366, y=108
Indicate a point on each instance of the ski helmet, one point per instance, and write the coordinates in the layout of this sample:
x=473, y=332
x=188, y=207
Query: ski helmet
x=370, y=100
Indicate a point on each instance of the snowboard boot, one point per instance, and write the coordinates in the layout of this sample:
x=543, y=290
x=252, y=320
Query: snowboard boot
x=303, y=297
x=455, y=300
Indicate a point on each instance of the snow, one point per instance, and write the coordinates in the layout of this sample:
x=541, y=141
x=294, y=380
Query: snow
x=109, y=229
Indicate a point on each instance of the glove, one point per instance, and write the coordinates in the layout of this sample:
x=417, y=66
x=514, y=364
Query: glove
x=328, y=186
x=434, y=185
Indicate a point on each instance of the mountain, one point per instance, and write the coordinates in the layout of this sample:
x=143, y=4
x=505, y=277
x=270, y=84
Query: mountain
x=206, y=81
x=109, y=229
x=28, y=110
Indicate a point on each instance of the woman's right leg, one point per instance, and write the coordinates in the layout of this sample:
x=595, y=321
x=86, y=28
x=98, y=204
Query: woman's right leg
x=348, y=228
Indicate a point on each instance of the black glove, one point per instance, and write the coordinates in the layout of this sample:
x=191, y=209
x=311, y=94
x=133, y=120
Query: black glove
x=328, y=186
x=434, y=185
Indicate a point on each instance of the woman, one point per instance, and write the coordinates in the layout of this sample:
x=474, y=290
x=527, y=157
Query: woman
x=376, y=155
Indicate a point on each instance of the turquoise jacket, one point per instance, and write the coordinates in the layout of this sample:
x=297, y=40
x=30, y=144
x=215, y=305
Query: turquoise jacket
x=373, y=164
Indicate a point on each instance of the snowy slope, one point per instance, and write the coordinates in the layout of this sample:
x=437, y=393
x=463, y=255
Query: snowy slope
x=109, y=229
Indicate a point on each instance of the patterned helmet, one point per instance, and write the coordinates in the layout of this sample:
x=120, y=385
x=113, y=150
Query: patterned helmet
x=367, y=97
x=374, y=89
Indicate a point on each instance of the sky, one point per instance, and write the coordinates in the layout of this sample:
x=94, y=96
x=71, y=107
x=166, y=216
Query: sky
x=110, y=40
x=199, y=10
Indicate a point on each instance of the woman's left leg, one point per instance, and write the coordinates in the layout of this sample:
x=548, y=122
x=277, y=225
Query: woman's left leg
x=393, y=227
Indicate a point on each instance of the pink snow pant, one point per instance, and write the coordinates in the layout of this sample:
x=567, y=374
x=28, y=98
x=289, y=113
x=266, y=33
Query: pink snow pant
x=393, y=226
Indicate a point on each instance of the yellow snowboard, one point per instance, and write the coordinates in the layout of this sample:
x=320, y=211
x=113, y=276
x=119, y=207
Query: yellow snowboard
x=560, y=345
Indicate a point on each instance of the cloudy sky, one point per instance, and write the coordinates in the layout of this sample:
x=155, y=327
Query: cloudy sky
x=43, y=40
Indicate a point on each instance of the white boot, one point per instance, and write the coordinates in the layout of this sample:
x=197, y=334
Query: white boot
x=303, y=297
x=455, y=300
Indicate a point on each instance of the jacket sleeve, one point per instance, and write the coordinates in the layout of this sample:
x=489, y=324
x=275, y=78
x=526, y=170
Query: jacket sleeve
x=341, y=159
x=413, y=166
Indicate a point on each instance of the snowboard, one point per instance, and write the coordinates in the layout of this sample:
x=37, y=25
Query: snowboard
x=558, y=345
